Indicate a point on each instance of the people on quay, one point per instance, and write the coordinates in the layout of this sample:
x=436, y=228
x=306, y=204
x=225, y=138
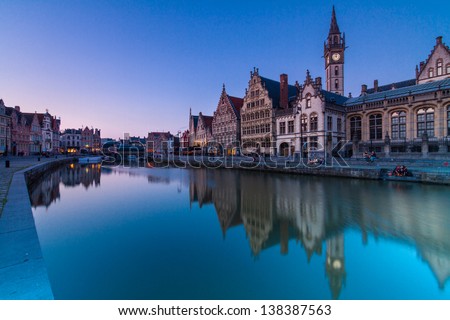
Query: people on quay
x=401, y=171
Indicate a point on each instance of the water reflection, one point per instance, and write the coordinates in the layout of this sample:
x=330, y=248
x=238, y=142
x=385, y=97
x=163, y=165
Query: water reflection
x=313, y=211
x=46, y=191
x=293, y=213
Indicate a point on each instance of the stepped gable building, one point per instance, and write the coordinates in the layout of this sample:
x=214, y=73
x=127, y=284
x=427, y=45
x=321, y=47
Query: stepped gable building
x=20, y=134
x=263, y=98
x=226, y=123
x=193, y=121
x=411, y=116
x=5, y=133
x=35, y=131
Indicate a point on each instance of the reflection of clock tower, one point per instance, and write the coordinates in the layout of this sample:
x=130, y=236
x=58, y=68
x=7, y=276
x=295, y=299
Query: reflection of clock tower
x=335, y=264
x=334, y=48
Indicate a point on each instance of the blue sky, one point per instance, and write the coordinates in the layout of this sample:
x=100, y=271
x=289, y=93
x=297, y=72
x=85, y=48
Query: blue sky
x=138, y=66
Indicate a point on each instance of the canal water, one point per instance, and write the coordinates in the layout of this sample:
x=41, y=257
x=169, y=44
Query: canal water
x=146, y=233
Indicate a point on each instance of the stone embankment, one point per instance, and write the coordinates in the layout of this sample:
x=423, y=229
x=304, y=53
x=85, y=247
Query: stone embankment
x=22, y=267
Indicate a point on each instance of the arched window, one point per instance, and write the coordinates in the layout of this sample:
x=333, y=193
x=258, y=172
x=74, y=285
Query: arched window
x=336, y=70
x=430, y=73
x=304, y=121
x=425, y=122
x=439, y=67
x=336, y=84
x=308, y=100
x=355, y=128
x=376, y=126
x=313, y=122
x=398, y=125
x=448, y=120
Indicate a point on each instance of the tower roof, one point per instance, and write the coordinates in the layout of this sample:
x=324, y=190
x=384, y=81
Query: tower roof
x=334, y=28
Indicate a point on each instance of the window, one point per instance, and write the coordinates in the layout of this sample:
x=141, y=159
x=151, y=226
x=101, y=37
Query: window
x=304, y=122
x=439, y=67
x=355, y=128
x=267, y=114
x=336, y=70
x=282, y=127
x=339, y=124
x=447, y=67
x=291, y=126
x=448, y=120
x=425, y=122
x=308, y=101
x=330, y=123
x=267, y=127
x=398, y=125
x=336, y=84
x=430, y=73
x=376, y=126
x=313, y=122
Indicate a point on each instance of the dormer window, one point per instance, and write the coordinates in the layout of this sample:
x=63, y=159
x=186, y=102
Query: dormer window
x=430, y=73
x=439, y=67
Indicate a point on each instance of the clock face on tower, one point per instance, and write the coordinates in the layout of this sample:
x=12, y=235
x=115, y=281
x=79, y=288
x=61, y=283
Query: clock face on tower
x=336, y=56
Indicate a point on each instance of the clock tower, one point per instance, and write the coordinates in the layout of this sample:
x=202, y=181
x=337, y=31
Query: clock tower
x=333, y=52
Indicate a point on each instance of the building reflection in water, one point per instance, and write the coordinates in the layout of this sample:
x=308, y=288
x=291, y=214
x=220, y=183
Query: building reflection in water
x=274, y=209
x=46, y=191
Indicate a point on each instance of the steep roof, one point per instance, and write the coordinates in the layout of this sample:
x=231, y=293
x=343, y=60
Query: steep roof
x=401, y=92
x=273, y=88
x=236, y=103
x=335, y=98
x=208, y=121
x=334, y=28
x=396, y=85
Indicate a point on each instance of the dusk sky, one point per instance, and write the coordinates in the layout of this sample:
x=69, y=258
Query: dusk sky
x=138, y=66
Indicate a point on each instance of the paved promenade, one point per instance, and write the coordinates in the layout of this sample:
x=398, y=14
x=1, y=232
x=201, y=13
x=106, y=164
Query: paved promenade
x=23, y=272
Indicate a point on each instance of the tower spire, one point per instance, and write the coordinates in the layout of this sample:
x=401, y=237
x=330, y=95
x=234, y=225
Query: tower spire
x=334, y=28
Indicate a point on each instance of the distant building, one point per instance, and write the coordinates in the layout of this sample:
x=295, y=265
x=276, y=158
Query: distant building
x=5, y=133
x=184, y=140
x=226, y=123
x=35, y=131
x=160, y=142
x=20, y=135
x=71, y=140
x=91, y=140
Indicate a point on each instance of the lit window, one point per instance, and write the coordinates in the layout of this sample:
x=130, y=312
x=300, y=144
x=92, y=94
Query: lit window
x=430, y=73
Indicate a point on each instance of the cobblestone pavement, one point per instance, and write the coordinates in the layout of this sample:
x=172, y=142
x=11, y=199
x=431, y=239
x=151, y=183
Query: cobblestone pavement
x=16, y=164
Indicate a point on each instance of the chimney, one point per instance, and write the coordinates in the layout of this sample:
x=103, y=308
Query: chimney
x=319, y=82
x=375, y=85
x=363, y=89
x=284, y=94
x=439, y=40
x=17, y=108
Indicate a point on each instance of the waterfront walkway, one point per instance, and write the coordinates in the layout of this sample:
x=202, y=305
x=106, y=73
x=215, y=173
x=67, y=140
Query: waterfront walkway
x=23, y=272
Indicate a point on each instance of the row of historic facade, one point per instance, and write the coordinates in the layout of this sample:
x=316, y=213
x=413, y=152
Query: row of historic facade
x=23, y=134
x=273, y=117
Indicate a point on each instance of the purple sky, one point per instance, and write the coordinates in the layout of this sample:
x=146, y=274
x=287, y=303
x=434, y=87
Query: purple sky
x=138, y=66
